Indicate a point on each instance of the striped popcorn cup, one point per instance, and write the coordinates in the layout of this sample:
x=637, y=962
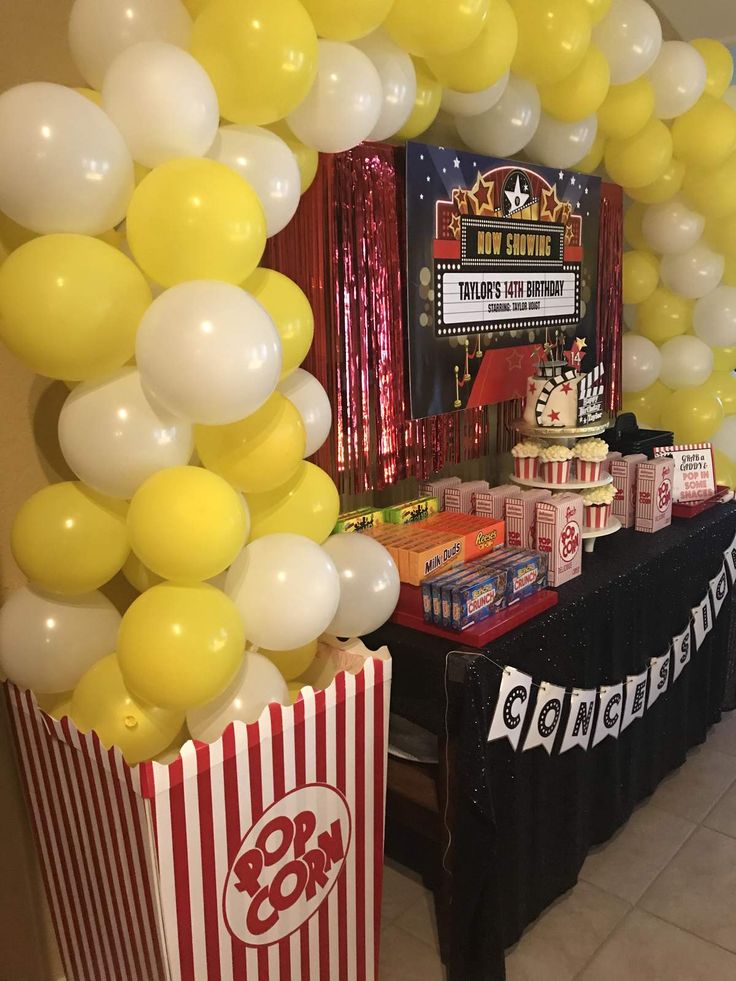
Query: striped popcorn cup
x=526, y=467
x=555, y=471
x=596, y=516
x=589, y=470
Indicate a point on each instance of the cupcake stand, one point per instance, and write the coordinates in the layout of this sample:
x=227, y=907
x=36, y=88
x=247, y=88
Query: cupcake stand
x=568, y=436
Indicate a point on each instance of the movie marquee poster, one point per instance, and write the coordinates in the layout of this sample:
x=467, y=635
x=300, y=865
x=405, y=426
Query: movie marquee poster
x=500, y=255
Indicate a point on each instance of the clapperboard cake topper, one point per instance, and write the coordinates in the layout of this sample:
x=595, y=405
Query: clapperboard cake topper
x=559, y=393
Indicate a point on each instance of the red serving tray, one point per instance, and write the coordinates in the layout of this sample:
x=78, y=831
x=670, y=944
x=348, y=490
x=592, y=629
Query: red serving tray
x=409, y=613
x=691, y=509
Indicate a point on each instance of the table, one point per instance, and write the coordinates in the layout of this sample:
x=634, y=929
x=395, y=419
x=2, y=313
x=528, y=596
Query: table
x=523, y=822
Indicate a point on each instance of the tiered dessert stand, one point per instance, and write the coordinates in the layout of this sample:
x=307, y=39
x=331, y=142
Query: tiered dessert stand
x=568, y=436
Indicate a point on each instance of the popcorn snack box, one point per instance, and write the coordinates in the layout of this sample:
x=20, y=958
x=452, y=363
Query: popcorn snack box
x=654, y=494
x=521, y=517
x=358, y=520
x=623, y=472
x=493, y=501
x=610, y=457
x=436, y=488
x=460, y=496
x=410, y=511
x=559, y=535
x=257, y=856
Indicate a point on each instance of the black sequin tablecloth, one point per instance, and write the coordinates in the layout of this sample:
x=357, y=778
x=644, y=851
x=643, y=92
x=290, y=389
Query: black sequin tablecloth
x=524, y=821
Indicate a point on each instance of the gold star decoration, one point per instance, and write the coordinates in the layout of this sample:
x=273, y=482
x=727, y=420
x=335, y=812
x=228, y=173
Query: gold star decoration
x=569, y=234
x=480, y=198
x=566, y=212
x=551, y=205
x=454, y=226
x=460, y=200
x=581, y=343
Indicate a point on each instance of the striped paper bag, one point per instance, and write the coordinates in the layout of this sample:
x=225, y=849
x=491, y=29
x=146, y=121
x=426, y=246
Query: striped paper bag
x=255, y=857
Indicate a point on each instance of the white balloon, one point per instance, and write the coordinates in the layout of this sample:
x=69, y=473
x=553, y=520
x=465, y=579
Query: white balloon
x=369, y=584
x=113, y=437
x=162, y=101
x=729, y=96
x=671, y=227
x=714, y=317
x=474, y=103
x=686, y=362
x=313, y=405
x=208, y=352
x=398, y=81
x=100, y=29
x=557, y=144
x=286, y=589
x=508, y=126
x=64, y=166
x=48, y=642
x=678, y=79
x=640, y=363
x=345, y=101
x=694, y=273
x=629, y=314
x=269, y=166
x=724, y=439
x=257, y=683
x=630, y=36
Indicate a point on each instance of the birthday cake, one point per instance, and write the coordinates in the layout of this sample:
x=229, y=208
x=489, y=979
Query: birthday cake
x=559, y=396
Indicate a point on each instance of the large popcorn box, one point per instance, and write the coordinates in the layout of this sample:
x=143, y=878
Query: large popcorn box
x=256, y=857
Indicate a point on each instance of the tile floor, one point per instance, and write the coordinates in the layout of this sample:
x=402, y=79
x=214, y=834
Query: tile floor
x=655, y=903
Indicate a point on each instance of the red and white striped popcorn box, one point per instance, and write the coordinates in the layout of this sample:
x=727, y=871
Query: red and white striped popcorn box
x=258, y=856
x=526, y=467
x=588, y=470
x=596, y=515
x=555, y=471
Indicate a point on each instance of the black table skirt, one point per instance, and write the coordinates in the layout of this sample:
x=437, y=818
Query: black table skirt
x=524, y=821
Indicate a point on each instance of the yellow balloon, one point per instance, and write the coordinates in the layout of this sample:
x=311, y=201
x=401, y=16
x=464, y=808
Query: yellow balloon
x=720, y=234
x=729, y=271
x=195, y=219
x=632, y=227
x=706, y=134
x=70, y=306
x=307, y=158
x=597, y=9
x=426, y=103
x=346, y=20
x=69, y=539
x=664, y=188
x=718, y=65
x=101, y=703
x=641, y=158
x=693, y=414
x=308, y=504
x=712, y=191
x=292, y=663
x=57, y=706
x=187, y=524
x=258, y=453
x=290, y=311
x=180, y=645
x=725, y=469
x=592, y=160
x=626, y=109
x=723, y=385
x=138, y=575
x=640, y=275
x=485, y=60
x=724, y=358
x=12, y=235
x=647, y=404
x=261, y=56
x=429, y=27
x=580, y=93
x=553, y=38
x=664, y=315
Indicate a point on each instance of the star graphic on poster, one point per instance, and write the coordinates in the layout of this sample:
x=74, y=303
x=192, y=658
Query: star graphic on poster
x=577, y=204
x=428, y=178
x=569, y=235
x=567, y=388
x=421, y=197
x=444, y=170
x=421, y=156
x=586, y=190
x=516, y=197
x=573, y=180
x=460, y=200
x=554, y=416
x=454, y=226
x=481, y=195
x=456, y=163
x=513, y=360
x=561, y=175
x=566, y=212
x=551, y=205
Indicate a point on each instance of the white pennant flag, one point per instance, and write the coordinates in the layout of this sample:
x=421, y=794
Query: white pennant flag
x=681, y=648
x=511, y=707
x=636, y=698
x=718, y=587
x=580, y=720
x=730, y=557
x=659, y=673
x=702, y=621
x=608, y=722
x=546, y=717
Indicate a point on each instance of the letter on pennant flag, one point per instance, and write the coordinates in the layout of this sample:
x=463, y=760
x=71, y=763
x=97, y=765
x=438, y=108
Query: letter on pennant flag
x=609, y=713
x=681, y=647
x=580, y=720
x=730, y=557
x=546, y=718
x=636, y=698
x=719, y=590
x=511, y=707
x=659, y=676
x=702, y=621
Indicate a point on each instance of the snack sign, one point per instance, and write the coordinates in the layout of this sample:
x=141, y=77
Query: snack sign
x=694, y=471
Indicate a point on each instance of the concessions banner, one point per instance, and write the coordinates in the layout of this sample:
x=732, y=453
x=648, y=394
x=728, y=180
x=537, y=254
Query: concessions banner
x=500, y=255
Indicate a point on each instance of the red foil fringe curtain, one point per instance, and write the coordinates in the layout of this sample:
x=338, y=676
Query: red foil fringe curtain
x=610, y=297
x=345, y=248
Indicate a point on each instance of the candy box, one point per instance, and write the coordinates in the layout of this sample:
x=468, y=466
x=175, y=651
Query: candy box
x=654, y=494
x=460, y=496
x=493, y=501
x=559, y=535
x=623, y=472
x=477, y=599
x=358, y=520
x=521, y=517
x=410, y=511
x=527, y=574
x=436, y=488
